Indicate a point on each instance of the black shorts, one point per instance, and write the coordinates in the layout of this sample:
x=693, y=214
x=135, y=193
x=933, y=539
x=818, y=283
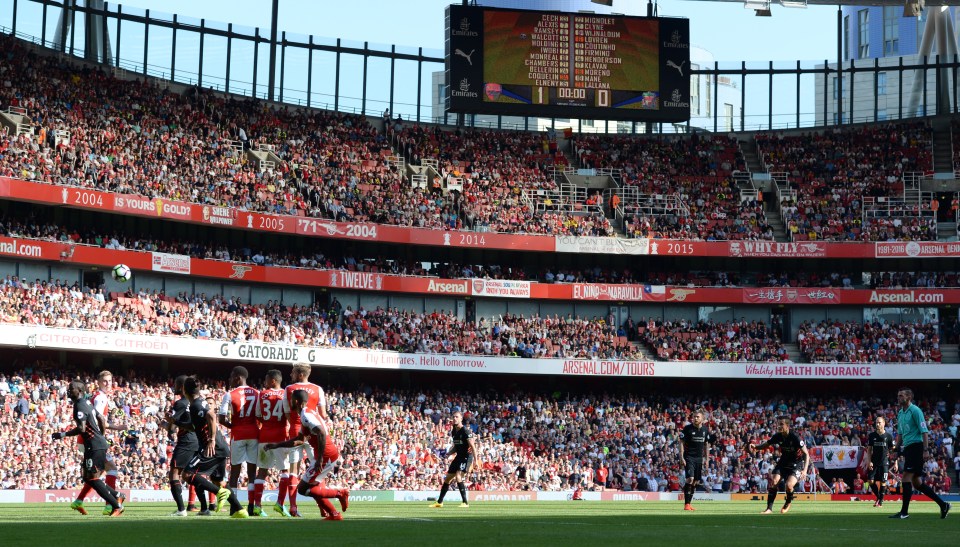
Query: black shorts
x=879, y=473
x=460, y=465
x=786, y=471
x=183, y=455
x=215, y=467
x=693, y=468
x=913, y=458
x=94, y=461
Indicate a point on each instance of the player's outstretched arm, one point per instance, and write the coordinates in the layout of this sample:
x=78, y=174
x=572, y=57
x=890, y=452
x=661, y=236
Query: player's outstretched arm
x=69, y=433
x=289, y=443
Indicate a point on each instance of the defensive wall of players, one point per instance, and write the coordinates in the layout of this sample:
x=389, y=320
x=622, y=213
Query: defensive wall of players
x=31, y=337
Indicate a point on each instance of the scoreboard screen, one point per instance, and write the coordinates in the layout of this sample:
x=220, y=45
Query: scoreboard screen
x=567, y=65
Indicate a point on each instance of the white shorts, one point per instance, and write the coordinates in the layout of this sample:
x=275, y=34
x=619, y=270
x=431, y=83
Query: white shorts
x=313, y=475
x=299, y=453
x=273, y=459
x=244, y=451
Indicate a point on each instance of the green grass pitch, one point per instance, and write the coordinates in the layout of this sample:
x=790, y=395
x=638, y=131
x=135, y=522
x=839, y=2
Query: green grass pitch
x=504, y=524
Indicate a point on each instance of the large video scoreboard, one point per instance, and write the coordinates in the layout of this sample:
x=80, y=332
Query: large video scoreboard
x=567, y=65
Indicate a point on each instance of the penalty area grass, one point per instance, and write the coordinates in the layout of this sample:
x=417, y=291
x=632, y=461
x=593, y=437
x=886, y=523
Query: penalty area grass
x=492, y=523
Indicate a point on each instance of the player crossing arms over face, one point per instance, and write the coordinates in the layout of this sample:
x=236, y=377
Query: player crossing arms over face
x=791, y=448
x=465, y=457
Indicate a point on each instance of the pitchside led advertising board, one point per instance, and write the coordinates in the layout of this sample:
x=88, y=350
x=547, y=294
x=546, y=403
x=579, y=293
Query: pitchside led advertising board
x=567, y=65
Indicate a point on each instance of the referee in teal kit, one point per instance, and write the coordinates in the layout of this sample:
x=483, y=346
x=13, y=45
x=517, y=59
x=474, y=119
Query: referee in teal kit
x=913, y=441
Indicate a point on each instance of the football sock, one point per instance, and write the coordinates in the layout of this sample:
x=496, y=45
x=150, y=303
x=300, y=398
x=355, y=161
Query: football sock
x=282, y=488
x=294, y=482
x=203, y=485
x=105, y=492
x=907, y=494
x=875, y=490
x=176, y=489
x=320, y=491
x=687, y=494
x=212, y=496
x=789, y=497
x=881, y=492
x=443, y=492
x=925, y=489
x=84, y=491
x=251, y=496
x=463, y=491
x=258, y=492
x=326, y=506
x=192, y=499
x=111, y=479
x=771, y=497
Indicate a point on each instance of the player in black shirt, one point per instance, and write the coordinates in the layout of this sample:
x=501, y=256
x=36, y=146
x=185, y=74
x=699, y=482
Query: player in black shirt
x=464, y=451
x=185, y=448
x=879, y=447
x=209, y=463
x=791, y=447
x=90, y=427
x=694, y=447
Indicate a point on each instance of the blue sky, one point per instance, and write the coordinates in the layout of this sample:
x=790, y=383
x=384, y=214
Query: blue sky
x=727, y=30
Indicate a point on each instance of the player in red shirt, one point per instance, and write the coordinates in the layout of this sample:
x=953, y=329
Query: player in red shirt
x=316, y=401
x=238, y=412
x=314, y=431
x=273, y=429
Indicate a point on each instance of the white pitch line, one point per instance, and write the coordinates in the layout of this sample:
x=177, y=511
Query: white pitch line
x=418, y=519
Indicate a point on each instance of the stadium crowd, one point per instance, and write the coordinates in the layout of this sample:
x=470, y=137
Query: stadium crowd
x=140, y=137
x=832, y=174
x=869, y=342
x=58, y=304
x=395, y=438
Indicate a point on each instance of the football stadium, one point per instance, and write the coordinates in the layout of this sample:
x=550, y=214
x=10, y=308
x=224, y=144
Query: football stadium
x=566, y=279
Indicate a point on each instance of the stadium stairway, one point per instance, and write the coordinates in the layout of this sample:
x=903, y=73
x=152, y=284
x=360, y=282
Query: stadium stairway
x=942, y=145
x=949, y=353
x=793, y=352
x=749, y=148
x=772, y=212
x=946, y=231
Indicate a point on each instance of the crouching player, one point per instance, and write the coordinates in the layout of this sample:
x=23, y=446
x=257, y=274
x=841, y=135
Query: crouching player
x=314, y=431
